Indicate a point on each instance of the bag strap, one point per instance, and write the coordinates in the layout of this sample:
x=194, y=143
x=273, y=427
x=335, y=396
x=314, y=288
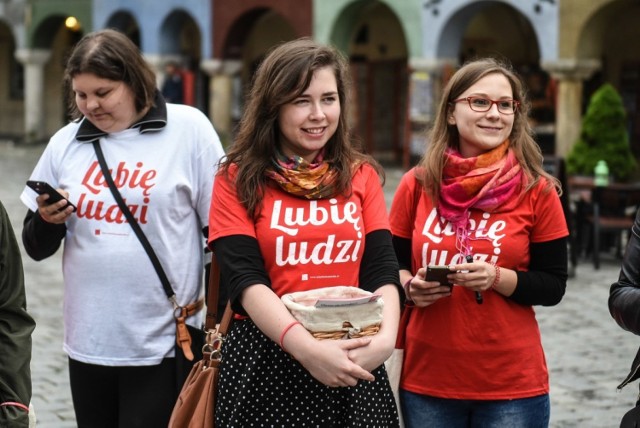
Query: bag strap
x=166, y=285
x=213, y=294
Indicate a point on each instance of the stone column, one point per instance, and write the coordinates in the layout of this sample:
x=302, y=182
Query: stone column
x=33, y=61
x=221, y=93
x=570, y=75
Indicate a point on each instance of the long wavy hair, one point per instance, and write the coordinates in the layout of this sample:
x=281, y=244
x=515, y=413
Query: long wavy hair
x=284, y=75
x=443, y=135
x=109, y=54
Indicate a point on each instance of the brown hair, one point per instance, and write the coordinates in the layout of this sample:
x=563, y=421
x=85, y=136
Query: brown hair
x=109, y=54
x=444, y=135
x=284, y=75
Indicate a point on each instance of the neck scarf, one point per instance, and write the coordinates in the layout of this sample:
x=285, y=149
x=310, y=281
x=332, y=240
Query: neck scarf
x=315, y=180
x=490, y=182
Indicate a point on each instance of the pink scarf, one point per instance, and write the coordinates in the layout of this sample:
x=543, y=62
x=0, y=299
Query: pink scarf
x=490, y=182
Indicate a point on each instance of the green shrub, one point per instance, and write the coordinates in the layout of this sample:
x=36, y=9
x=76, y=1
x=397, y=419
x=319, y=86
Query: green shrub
x=603, y=136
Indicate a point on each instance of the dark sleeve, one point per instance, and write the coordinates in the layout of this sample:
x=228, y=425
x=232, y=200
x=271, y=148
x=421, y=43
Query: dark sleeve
x=241, y=265
x=41, y=239
x=16, y=327
x=546, y=280
x=624, y=294
x=402, y=247
x=379, y=265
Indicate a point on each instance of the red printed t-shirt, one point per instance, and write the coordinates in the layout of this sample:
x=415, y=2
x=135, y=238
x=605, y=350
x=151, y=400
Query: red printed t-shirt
x=456, y=348
x=306, y=244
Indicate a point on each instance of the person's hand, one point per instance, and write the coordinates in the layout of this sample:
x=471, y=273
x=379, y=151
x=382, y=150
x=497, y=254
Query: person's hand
x=476, y=276
x=424, y=293
x=54, y=213
x=328, y=361
x=370, y=357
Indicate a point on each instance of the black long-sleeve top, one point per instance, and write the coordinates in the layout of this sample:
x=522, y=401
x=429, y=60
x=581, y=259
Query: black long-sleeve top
x=41, y=239
x=242, y=265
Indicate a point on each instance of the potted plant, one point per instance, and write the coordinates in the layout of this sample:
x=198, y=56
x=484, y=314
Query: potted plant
x=603, y=137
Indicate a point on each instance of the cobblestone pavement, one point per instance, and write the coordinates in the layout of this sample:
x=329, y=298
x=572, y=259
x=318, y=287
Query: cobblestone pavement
x=587, y=353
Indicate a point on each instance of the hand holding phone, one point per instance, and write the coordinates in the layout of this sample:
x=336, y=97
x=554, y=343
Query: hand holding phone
x=438, y=273
x=42, y=188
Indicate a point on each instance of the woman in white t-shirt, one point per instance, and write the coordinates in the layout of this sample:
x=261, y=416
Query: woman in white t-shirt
x=120, y=333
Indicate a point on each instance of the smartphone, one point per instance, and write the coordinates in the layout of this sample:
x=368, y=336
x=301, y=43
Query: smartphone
x=438, y=273
x=42, y=187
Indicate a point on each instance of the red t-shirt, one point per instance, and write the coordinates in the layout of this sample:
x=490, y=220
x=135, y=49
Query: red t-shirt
x=456, y=348
x=306, y=244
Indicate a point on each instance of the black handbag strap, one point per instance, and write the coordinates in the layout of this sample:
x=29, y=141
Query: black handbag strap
x=166, y=285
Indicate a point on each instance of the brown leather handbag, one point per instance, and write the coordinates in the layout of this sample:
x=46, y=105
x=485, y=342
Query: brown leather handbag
x=196, y=404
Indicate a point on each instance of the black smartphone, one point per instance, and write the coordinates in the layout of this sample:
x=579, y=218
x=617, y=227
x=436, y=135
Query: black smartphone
x=42, y=187
x=438, y=273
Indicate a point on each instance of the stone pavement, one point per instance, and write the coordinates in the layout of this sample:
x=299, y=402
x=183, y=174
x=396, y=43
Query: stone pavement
x=587, y=353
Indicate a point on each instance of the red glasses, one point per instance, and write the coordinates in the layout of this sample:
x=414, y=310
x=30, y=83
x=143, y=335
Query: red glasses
x=481, y=104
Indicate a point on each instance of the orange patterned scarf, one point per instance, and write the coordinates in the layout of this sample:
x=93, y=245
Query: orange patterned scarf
x=315, y=180
x=490, y=182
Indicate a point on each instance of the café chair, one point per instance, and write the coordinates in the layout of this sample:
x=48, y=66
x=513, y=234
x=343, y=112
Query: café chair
x=613, y=211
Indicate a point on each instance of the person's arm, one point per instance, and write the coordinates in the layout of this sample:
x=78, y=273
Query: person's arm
x=543, y=284
x=379, y=265
x=40, y=238
x=379, y=274
x=402, y=248
x=241, y=266
x=624, y=294
x=249, y=288
x=16, y=327
x=546, y=280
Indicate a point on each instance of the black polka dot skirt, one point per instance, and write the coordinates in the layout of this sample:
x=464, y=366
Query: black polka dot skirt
x=262, y=386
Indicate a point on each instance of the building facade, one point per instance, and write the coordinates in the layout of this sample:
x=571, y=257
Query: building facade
x=401, y=53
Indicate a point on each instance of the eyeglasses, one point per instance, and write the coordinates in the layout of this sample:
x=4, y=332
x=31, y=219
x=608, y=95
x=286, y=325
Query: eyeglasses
x=482, y=105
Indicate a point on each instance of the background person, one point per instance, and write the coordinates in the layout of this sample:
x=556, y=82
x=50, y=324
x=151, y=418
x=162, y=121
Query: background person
x=624, y=300
x=173, y=85
x=16, y=327
x=484, y=195
x=119, y=330
x=295, y=207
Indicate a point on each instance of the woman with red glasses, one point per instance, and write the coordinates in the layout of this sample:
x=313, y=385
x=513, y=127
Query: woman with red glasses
x=480, y=204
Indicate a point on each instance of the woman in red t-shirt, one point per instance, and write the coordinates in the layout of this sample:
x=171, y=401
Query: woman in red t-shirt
x=480, y=204
x=294, y=208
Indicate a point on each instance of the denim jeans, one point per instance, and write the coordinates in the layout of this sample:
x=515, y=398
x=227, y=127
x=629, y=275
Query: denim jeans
x=421, y=411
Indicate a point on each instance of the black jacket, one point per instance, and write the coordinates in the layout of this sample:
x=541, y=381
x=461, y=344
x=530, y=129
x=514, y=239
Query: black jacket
x=16, y=327
x=624, y=295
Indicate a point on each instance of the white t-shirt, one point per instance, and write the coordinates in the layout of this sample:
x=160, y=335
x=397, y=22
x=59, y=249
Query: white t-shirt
x=116, y=312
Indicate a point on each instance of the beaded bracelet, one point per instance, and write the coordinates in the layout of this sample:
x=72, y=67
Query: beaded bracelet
x=496, y=281
x=285, y=331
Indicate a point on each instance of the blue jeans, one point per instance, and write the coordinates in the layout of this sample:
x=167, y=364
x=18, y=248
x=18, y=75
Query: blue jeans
x=421, y=411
